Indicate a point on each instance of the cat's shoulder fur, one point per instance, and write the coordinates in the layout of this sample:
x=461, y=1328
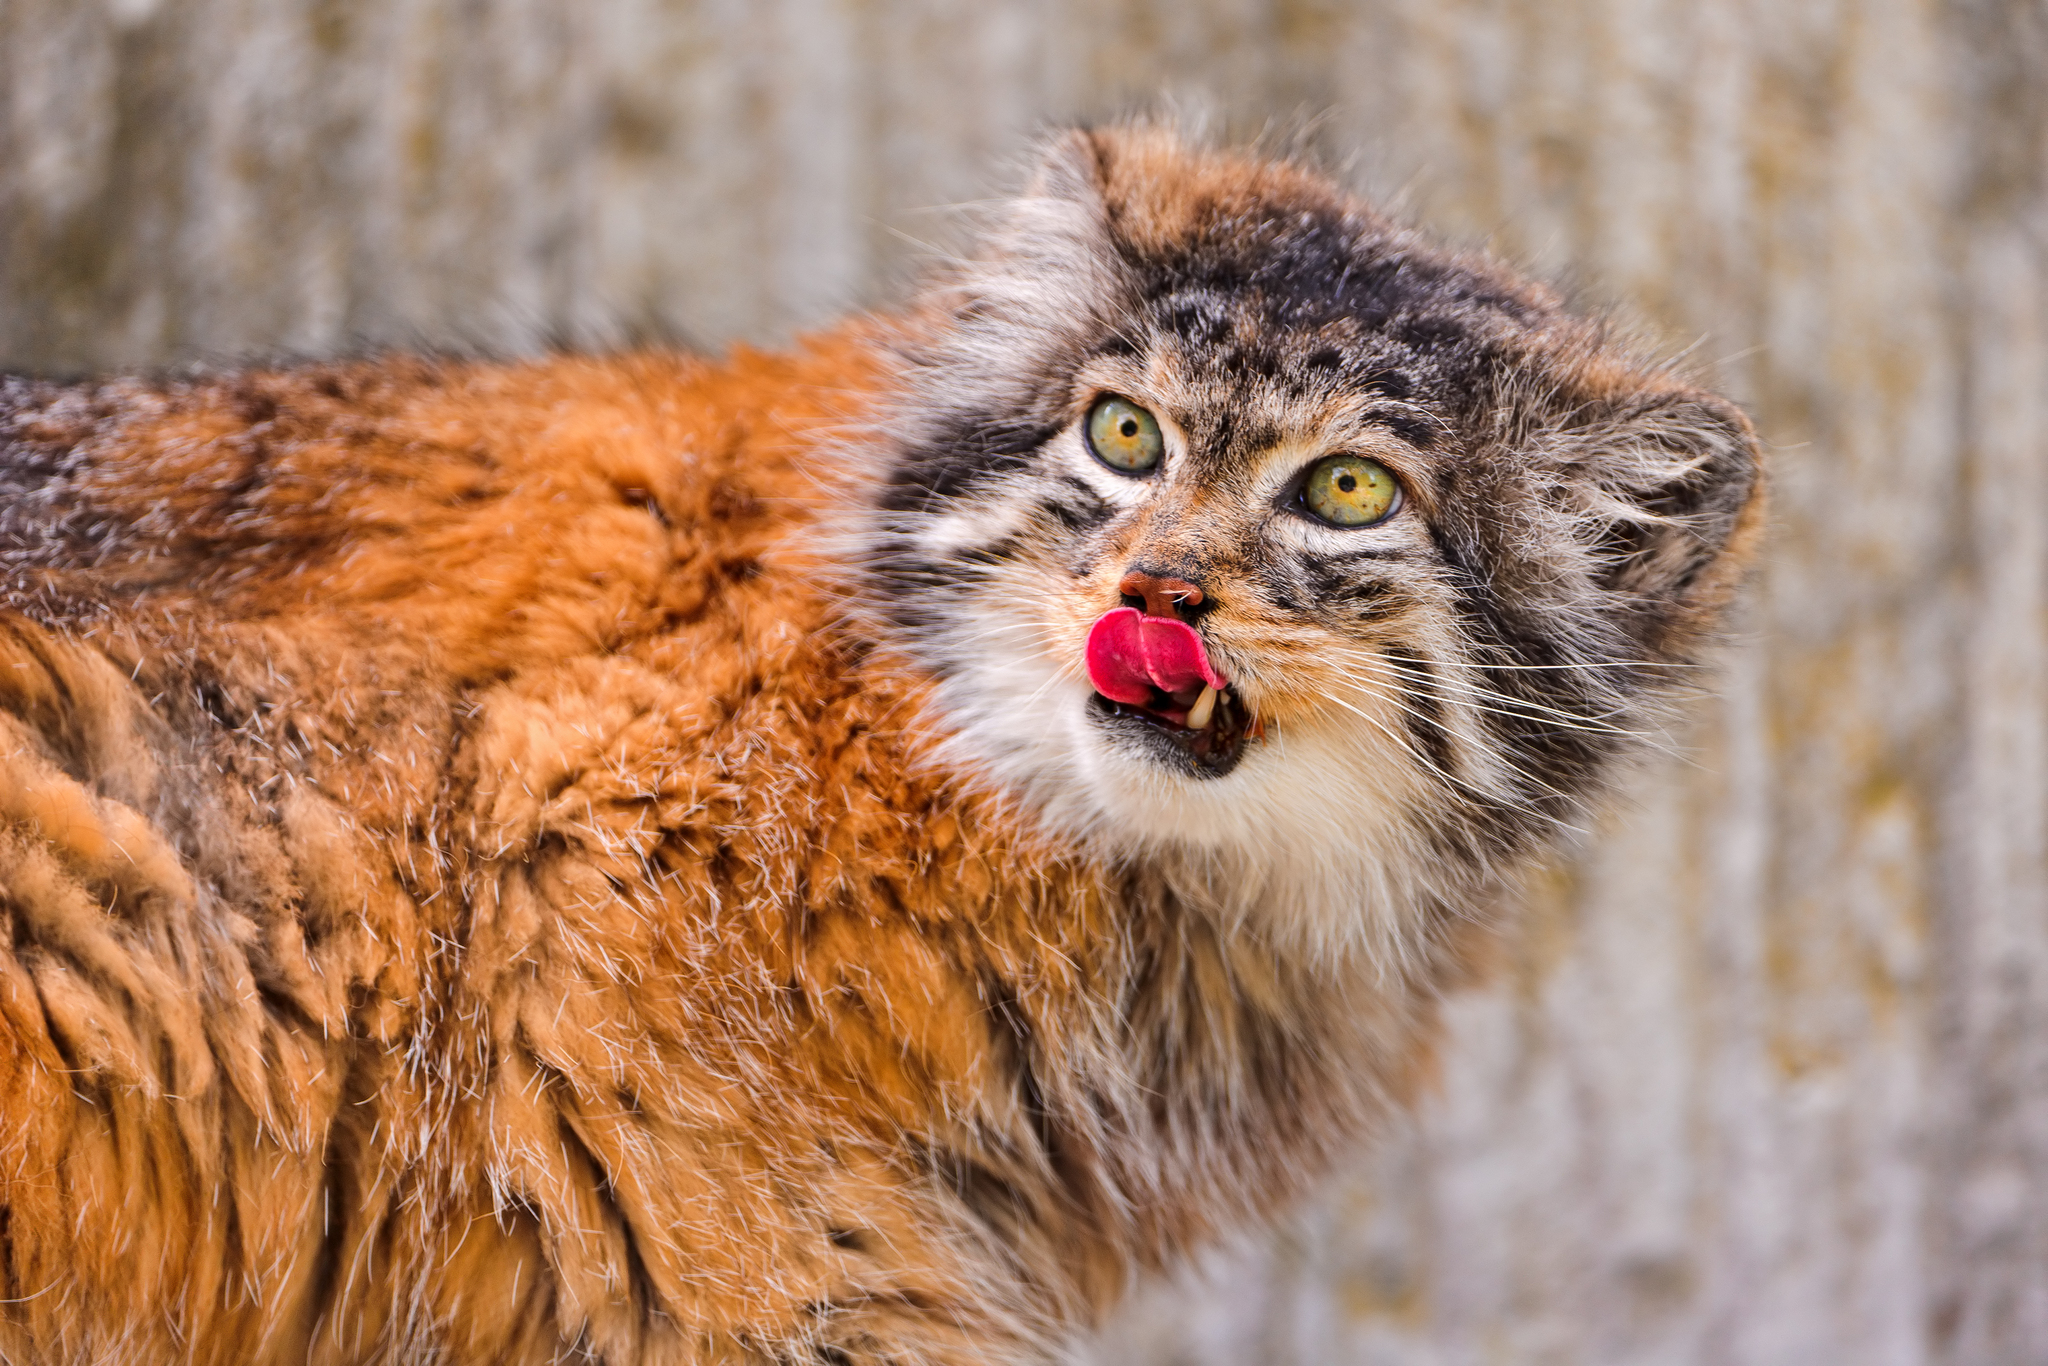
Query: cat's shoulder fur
x=491, y=870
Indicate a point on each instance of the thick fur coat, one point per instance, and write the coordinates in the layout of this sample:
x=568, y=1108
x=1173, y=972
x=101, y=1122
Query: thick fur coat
x=601, y=859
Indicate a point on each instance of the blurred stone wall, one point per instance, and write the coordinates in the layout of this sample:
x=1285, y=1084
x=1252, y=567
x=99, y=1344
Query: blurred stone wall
x=1765, y=1077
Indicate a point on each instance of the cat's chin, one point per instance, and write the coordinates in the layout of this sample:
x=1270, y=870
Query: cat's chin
x=1212, y=751
x=1291, y=833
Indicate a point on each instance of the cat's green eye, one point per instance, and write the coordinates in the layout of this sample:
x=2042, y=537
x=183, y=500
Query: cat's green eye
x=1124, y=436
x=1350, y=490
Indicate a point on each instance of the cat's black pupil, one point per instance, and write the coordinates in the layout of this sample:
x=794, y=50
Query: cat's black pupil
x=1129, y=427
x=1347, y=482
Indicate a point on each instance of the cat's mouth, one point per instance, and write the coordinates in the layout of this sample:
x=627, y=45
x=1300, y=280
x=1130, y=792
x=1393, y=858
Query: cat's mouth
x=1153, y=677
x=1167, y=726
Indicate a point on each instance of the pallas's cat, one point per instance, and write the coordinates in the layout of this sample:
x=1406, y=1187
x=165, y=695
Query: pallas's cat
x=833, y=857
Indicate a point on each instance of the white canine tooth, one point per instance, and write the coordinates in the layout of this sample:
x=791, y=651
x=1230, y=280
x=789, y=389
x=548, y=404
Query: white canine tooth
x=1204, y=709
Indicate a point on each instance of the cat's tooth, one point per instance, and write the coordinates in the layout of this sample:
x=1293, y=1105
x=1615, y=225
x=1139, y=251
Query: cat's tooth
x=1204, y=709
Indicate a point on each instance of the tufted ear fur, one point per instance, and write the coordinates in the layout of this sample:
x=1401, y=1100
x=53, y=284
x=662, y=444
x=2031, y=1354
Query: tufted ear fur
x=1044, y=282
x=1674, y=486
x=1069, y=167
x=1054, y=239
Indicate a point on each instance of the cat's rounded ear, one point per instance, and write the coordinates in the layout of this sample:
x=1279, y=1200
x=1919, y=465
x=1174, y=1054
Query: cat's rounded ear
x=1047, y=268
x=1062, y=210
x=1675, y=478
x=1069, y=165
x=1012, y=317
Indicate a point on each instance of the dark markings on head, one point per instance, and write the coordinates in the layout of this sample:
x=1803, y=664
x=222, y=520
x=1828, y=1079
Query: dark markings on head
x=1410, y=427
x=1422, y=709
x=1370, y=598
x=967, y=449
x=1388, y=383
x=1077, y=506
x=1202, y=321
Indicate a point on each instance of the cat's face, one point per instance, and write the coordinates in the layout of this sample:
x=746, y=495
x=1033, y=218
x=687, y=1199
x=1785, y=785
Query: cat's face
x=1201, y=420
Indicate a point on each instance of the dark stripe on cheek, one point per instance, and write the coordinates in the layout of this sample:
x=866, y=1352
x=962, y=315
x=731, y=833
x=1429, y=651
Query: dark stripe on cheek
x=995, y=552
x=1386, y=554
x=965, y=452
x=916, y=592
x=1373, y=600
x=1478, y=608
x=1282, y=591
x=1368, y=596
x=1076, y=506
x=1555, y=754
x=1422, y=709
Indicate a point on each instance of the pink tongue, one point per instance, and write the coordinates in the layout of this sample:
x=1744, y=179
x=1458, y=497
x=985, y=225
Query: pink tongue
x=1130, y=653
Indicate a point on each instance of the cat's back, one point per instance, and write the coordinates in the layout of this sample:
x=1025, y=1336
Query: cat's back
x=358, y=728
x=318, y=576
x=489, y=506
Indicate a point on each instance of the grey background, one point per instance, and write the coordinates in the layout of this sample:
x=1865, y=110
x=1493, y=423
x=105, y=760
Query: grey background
x=1764, y=1075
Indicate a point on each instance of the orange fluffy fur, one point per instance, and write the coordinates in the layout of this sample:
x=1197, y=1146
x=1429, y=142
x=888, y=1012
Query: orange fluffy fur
x=552, y=944
x=616, y=859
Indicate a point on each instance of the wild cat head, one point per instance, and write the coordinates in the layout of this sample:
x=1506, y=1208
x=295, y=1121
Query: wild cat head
x=1247, y=532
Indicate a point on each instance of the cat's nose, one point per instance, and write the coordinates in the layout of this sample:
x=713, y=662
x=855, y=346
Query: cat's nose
x=1160, y=596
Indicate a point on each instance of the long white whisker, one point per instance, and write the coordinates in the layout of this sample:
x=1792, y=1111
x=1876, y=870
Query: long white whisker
x=1456, y=784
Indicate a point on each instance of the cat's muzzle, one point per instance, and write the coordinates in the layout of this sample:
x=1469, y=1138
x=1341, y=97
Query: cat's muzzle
x=1154, y=680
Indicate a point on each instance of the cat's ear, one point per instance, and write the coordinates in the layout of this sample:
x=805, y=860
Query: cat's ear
x=1014, y=315
x=1062, y=210
x=1047, y=268
x=1070, y=166
x=1674, y=495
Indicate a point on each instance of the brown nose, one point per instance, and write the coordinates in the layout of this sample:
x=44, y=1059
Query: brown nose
x=1163, y=597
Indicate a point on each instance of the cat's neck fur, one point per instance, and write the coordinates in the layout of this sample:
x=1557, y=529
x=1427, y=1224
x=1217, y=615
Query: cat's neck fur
x=556, y=901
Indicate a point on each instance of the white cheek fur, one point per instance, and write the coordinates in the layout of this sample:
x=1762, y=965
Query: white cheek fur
x=964, y=528
x=1312, y=838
